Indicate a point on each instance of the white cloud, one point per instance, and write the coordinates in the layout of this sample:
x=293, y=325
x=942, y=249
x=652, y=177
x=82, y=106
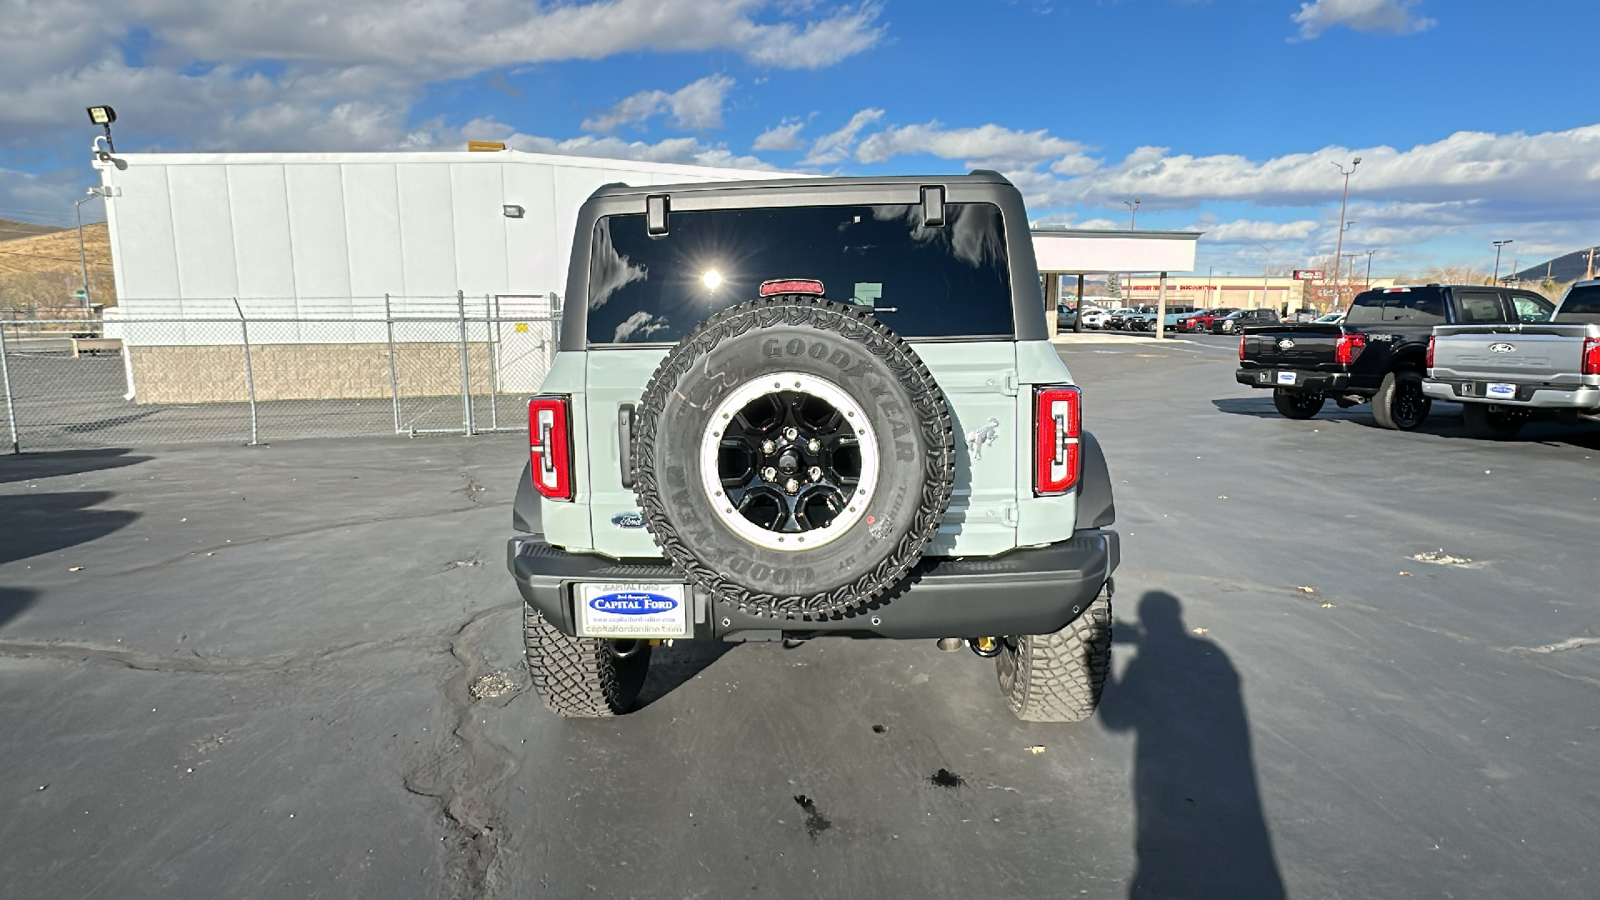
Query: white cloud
x=209, y=64
x=1557, y=173
x=835, y=148
x=696, y=106
x=1245, y=231
x=989, y=146
x=685, y=150
x=780, y=137
x=1391, y=16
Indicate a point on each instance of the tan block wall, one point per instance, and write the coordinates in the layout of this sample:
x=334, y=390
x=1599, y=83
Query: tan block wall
x=216, y=374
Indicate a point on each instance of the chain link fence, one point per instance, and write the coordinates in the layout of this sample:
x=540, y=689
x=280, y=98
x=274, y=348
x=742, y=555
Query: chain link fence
x=263, y=369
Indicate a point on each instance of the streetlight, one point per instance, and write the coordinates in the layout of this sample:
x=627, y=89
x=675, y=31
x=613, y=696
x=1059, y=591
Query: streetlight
x=1497, y=246
x=1266, y=271
x=1369, y=268
x=1211, y=294
x=1343, y=202
x=1133, y=212
x=83, y=260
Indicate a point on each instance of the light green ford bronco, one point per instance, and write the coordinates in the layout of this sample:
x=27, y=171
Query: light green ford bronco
x=822, y=407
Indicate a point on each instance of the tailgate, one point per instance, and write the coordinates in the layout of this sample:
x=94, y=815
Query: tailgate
x=1542, y=353
x=1295, y=347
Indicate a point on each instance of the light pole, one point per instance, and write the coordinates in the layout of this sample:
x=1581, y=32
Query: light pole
x=1133, y=212
x=1369, y=269
x=1266, y=271
x=1497, y=246
x=1344, y=201
x=83, y=260
x=1211, y=294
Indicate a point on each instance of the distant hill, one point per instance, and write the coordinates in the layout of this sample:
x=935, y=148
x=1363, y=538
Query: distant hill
x=41, y=272
x=1570, y=267
x=11, y=229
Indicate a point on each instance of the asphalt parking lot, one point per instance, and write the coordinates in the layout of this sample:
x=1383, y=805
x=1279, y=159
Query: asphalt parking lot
x=294, y=671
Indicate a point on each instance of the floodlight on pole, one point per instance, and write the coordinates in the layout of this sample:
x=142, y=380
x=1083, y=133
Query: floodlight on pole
x=1344, y=202
x=1497, y=246
x=104, y=116
x=1133, y=212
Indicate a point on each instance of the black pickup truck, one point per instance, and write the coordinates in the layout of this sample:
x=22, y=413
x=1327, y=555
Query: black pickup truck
x=1378, y=353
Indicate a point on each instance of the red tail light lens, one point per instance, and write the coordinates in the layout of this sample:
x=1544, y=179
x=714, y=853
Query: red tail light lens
x=1349, y=348
x=550, y=447
x=1057, y=419
x=1430, y=351
x=1242, y=339
x=1591, y=356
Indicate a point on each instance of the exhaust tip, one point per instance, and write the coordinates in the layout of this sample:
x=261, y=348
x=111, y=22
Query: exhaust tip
x=950, y=645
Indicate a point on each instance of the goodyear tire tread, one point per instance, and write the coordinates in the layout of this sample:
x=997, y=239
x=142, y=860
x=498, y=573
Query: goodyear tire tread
x=580, y=677
x=1058, y=677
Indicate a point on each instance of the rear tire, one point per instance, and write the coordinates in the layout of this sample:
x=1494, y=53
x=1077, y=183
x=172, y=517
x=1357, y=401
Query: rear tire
x=1298, y=404
x=1486, y=421
x=1058, y=677
x=581, y=678
x=1400, y=404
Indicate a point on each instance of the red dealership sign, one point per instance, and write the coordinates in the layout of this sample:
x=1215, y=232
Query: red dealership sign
x=1307, y=274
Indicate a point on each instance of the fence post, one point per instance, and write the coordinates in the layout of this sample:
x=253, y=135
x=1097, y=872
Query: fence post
x=466, y=373
x=249, y=374
x=394, y=379
x=11, y=402
x=491, y=341
x=555, y=329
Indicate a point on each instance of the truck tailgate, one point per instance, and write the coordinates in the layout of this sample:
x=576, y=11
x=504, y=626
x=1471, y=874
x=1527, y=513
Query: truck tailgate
x=1291, y=347
x=1551, y=354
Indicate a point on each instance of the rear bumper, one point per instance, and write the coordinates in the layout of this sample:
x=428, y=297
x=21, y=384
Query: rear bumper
x=1027, y=591
x=1531, y=396
x=1304, y=380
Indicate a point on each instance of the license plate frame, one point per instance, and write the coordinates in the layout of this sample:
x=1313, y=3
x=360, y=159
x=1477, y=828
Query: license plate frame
x=631, y=610
x=1288, y=377
x=1500, y=390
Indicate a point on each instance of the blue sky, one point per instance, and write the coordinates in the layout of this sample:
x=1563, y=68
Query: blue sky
x=1473, y=123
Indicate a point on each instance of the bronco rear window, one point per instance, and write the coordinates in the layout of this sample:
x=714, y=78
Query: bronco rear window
x=924, y=282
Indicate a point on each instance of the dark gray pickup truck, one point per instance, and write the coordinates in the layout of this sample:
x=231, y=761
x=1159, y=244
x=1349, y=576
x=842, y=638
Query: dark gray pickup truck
x=1546, y=359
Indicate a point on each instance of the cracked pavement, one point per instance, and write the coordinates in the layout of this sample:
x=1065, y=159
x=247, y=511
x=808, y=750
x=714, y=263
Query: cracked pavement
x=250, y=672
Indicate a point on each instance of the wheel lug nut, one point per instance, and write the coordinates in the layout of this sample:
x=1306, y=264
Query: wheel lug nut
x=791, y=485
x=813, y=445
x=791, y=432
x=815, y=473
x=768, y=447
x=769, y=474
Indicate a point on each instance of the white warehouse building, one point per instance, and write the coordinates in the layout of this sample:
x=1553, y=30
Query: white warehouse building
x=326, y=238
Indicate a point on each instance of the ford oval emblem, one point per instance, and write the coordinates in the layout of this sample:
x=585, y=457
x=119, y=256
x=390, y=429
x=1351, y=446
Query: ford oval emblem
x=1286, y=344
x=633, y=603
x=628, y=520
x=1501, y=348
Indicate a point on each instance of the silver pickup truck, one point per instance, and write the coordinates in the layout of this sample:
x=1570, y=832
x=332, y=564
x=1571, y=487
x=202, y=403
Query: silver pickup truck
x=1538, y=357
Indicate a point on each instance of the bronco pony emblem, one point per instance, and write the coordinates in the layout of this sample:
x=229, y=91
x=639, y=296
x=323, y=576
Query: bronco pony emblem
x=982, y=437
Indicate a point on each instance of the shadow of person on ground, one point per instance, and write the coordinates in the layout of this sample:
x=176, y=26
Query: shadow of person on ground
x=28, y=466
x=31, y=524
x=13, y=601
x=1201, y=833
x=673, y=667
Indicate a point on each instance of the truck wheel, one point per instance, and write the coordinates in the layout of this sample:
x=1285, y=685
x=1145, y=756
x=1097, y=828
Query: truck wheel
x=1487, y=421
x=1400, y=404
x=794, y=457
x=582, y=678
x=1057, y=677
x=1297, y=404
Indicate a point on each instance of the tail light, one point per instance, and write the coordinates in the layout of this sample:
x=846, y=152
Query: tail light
x=1591, y=356
x=1430, y=350
x=1349, y=348
x=1242, y=339
x=1057, y=419
x=550, y=447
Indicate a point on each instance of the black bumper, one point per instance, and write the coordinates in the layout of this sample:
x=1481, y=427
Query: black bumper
x=1304, y=380
x=1026, y=591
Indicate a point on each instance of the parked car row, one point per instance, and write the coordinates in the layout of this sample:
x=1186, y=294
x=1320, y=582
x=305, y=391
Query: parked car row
x=1505, y=354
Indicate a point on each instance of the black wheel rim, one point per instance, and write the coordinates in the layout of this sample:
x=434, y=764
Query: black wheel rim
x=789, y=462
x=1408, y=403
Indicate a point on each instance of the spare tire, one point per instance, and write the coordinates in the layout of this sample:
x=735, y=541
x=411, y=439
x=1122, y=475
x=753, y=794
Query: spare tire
x=794, y=457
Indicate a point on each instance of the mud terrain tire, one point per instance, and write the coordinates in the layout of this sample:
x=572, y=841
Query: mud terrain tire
x=1058, y=677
